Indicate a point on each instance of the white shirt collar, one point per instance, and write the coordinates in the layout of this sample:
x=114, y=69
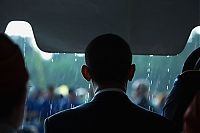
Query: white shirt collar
x=110, y=89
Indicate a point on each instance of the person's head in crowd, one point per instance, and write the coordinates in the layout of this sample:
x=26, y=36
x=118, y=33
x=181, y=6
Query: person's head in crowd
x=72, y=95
x=51, y=91
x=184, y=90
x=13, y=81
x=141, y=90
x=108, y=62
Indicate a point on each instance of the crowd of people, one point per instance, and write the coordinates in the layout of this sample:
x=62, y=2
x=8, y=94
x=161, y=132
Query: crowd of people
x=110, y=109
x=141, y=96
x=41, y=104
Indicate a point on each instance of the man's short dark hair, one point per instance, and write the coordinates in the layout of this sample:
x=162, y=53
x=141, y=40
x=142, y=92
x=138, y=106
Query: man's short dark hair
x=109, y=58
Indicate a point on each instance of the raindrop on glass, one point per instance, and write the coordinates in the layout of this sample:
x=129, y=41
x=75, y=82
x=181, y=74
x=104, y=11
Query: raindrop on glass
x=24, y=48
x=152, y=96
x=52, y=60
x=51, y=107
x=149, y=107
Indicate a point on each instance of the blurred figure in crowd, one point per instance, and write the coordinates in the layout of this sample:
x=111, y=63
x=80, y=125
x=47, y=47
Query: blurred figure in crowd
x=13, y=81
x=159, y=102
x=33, y=106
x=72, y=100
x=51, y=104
x=33, y=110
x=140, y=94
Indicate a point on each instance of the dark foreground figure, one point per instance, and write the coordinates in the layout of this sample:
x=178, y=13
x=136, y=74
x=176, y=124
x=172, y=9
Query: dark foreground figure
x=108, y=67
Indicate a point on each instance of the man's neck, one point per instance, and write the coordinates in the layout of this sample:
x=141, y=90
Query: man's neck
x=97, y=87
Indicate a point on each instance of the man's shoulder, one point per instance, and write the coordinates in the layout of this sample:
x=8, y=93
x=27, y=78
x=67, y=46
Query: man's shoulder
x=153, y=120
x=67, y=114
x=152, y=116
x=70, y=117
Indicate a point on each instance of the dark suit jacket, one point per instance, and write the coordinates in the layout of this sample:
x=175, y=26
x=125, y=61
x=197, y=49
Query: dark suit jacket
x=184, y=90
x=108, y=112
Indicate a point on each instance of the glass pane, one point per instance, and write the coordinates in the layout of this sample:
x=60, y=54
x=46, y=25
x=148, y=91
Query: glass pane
x=57, y=84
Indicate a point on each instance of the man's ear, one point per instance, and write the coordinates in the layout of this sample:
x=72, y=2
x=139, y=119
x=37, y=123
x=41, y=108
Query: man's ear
x=131, y=72
x=85, y=72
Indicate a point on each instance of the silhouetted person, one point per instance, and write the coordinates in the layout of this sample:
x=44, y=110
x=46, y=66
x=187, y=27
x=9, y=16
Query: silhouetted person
x=108, y=66
x=185, y=88
x=13, y=80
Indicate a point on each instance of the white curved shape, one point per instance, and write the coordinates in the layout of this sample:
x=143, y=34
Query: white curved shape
x=24, y=29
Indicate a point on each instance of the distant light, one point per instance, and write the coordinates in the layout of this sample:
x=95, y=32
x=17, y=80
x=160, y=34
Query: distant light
x=24, y=29
x=151, y=55
x=62, y=90
x=79, y=55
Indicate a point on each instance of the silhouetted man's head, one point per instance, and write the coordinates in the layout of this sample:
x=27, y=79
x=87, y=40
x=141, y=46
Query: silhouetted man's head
x=13, y=80
x=108, y=59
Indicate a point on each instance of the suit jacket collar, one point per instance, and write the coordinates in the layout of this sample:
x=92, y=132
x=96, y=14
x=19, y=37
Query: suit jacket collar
x=110, y=95
x=110, y=90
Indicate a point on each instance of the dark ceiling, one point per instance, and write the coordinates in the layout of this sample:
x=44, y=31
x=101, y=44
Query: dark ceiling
x=159, y=27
